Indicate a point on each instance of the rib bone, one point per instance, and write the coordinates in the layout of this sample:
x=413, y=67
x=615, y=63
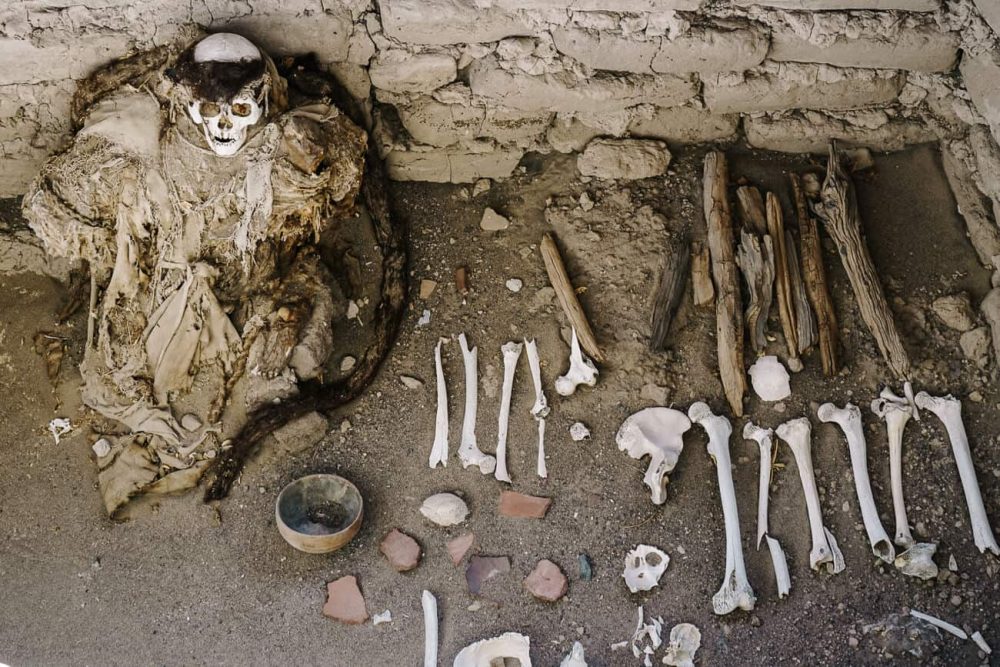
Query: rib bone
x=468, y=452
x=429, y=603
x=735, y=591
x=949, y=410
x=796, y=433
x=895, y=412
x=511, y=353
x=765, y=439
x=581, y=370
x=541, y=407
x=439, y=452
x=848, y=419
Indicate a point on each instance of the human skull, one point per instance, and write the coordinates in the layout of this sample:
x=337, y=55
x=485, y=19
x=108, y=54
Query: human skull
x=225, y=124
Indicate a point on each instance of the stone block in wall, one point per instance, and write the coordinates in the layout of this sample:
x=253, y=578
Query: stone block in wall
x=778, y=86
x=23, y=62
x=982, y=79
x=629, y=159
x=566, y=92
x=684, y=125
x=451, y=166
x=438, y=124
x=811, y=132
x=979, y=225
x=990, y=11
x=987, y=154
x=448, y=22
x=602, y=5
x=402, y=72
x=823, y=5
x=326, y=34
x=569, y=135
x=708, y=49
x=919, y=47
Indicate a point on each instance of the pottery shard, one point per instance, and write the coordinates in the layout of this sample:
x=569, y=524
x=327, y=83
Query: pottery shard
x=458, y=547
x=520, y=506
x=344, y=601
x=483, y=568
x=401, y=550
x=547, y=582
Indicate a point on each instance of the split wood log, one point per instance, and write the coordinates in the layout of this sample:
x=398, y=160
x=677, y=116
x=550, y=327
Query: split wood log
x=728, y=313
x=783, y=282
x=814, y=276
x=559, y=279
x=751, y=208
x=755, y=257
x=805, y=323
x=838, y=209
x=668, y=295
x=701, y=275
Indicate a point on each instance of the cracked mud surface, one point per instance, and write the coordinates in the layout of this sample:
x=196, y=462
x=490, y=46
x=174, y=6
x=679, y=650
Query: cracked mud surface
x=184, y=583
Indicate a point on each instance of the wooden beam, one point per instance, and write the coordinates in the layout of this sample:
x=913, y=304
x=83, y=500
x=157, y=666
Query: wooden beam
x=673, y=280
x=701, y=275
x=783, y=282
x=560, y=282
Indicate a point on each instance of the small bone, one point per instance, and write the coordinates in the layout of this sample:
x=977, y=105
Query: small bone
x=644, y=566
x=949, y=410
x=575, y=658
x=838, y=558
x=769, y=379
x=579, y=431
x=780, y=567
x=493, y=651
x=429, y=603
x=765, y=439
x=796, y=433
x=541, y=407
x=439, y=452
x=468, y=452
x=849, y=420
x=735, y=591
x=977, y=637
x=581, y=370
x=895, y=412
x=937, y=622
x=685, y=639
x=657, y=432
x=918, y=561
x=384, y=617
x=511, y=353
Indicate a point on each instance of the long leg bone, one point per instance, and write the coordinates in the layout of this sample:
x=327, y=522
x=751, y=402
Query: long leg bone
x=735, y=591
x=581, y=370
x=781, y=577
x=439, y=452
x=796, y=433
x=429, y=603
x=468, y=452
x=895, y=412
x=765, y=439
x=541, y=407
x=949, y=410
x=848, y=419
x=511, y=353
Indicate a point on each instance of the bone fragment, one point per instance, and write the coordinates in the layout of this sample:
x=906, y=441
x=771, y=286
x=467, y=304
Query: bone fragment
x=796, y=433
x=728, y=311
x=439, y=452
x=977, y=637
x=918, y=561
x=488, y=652
x=838, y=209
x=937, y=622
x=579, y=431
x=755, y=257
x=468, y=452
x=735, y=591
x=644, y=566
x=658, y=433
x=429, y=603
x=581, y=370
x=848, y=419
x=384, y=617
x=895, y=412
x=814, y=277
x=685, y=640
x=575, y=658
x=780, y=565
x=838, y=558
x=701, y=275
x=764, y=437
x=769, y=379
x=541, y=407
x=567, y=297
x=668, y=295
x=949, y=410
x=511, y=353
x=783, y=283
x=640, y=648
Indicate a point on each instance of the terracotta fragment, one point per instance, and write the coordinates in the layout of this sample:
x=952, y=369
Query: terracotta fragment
x=458, y=547
x=344, y=601
x=521, y=506
x=547, y=582
x=401, y=550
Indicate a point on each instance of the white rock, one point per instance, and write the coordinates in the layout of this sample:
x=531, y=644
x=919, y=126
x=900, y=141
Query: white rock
x=101, y=448
x=384, y=617
x=480, y=187
x=445, y=509
x=493, y=221
x=352, y=309
x=579, y=431
x=515, y=285
x=347, y=363
x=411, y=382
x=770, y=379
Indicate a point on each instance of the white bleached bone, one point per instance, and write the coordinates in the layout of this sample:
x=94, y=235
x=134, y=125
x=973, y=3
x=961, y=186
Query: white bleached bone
x=429, y=603
x=575, y=658
x=977, y=637
x=384, y=617
x=685, y=639
x=796, y=433
x=938, y=623
x=540, y=409
x=764, y=437
x=918, y=561
x=439, y=452
x=579, y=431
x=735, y=591
x=658, y=433
x=468, y=452
x=780, y=564
x=640, y=647
x=489, y=652
x=770, y=379
x=644, y=566
x=511, y=353
x=949, y=410
x=848, y=419
x=895, y=411
x=581, y=370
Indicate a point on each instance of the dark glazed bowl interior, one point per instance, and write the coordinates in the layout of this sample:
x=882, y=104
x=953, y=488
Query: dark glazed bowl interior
x=319, y=513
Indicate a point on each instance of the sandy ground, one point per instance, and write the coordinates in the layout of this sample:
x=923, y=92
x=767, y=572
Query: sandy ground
x=185, y=583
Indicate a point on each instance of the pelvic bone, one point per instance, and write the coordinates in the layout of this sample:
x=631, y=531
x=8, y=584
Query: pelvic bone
x=765, y=439
x=657, y=432
x=439, y=452
x=581, y=370
x=949, y=410
x=468, y=452
x=796, y=433
x=896, y=411
x=511, y=353
x=644, y=566
x=735, y=591
x=541, y=407
x=483, y=653
x=849, y=420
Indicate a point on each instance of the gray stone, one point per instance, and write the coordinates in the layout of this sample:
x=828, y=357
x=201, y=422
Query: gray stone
x=684, y=125
x=570, y=135
x=404, y=72
x=990, y=9
x=493, y=221
x=979, y=225
x=624, y=158
x=987, y=159
x=975, y=346
x=955, y=311
x=981, y=75
x=448, y=22
x=432, y=122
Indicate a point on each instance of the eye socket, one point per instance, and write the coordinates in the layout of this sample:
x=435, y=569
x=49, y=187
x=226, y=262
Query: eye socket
x=209, y=109
x=242, y=109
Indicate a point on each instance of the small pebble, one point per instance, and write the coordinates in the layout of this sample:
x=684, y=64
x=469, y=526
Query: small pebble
x=586, y=570
x=410, y=382
x=347, y=363
x=579, y=431
x=515, y=285
x=352, y=309
x=956, y=600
